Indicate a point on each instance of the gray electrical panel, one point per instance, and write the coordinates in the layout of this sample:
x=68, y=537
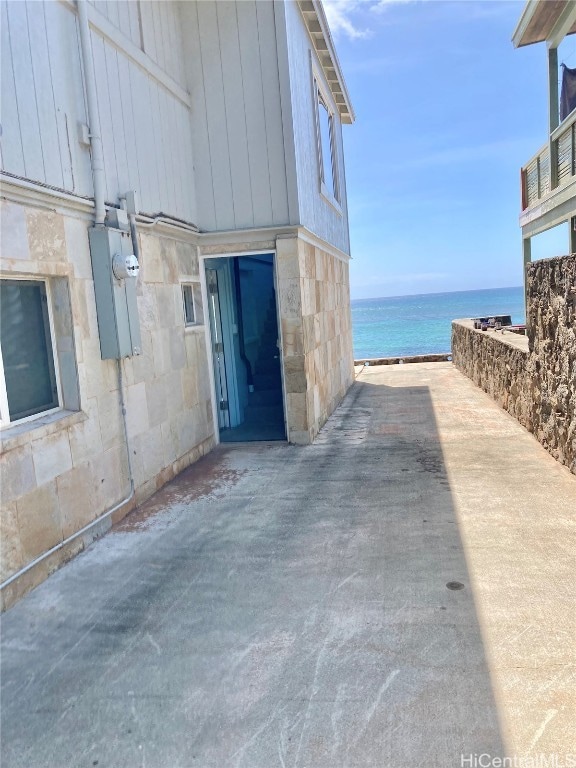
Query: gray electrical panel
x=118, y=322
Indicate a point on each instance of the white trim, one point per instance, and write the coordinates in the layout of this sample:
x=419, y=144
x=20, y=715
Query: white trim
x=559, y=130
x=106, y=29
x=55, y=361
x=6, y=423
x=321, y=97
x=4, y=410
x=32, y=193
x=27, y=193
x=318, y=242
x=523, y=22
x=319, y=32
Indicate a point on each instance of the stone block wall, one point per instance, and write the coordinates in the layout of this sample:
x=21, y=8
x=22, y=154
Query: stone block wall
x=314, y=307
x=534, y=377
x=62, y=471
x=551, y=289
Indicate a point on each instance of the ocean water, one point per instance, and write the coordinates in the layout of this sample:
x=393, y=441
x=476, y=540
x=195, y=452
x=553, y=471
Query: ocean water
x=419, y=325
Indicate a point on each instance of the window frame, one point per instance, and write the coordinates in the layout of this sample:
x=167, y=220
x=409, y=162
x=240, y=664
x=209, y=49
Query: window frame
x=321, y=100
x=5, y=420
x=190, y=284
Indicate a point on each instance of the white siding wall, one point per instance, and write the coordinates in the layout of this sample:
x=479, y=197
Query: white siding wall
x=144, y=107
x=237, y=114
x=42, y=96
x=315, y=212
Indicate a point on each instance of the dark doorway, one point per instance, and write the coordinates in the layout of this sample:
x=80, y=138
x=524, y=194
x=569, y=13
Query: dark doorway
x=245, y=347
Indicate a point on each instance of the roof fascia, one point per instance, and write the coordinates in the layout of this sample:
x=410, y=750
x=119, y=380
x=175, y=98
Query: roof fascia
x=316, y=22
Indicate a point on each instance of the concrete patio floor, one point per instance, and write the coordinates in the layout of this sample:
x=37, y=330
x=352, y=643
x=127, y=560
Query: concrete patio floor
x=285, y=606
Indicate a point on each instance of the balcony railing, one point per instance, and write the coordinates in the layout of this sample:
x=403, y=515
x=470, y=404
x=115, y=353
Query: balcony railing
x=540, y=176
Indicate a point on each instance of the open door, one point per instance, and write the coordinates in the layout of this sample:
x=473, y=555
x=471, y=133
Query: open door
x=245, y=348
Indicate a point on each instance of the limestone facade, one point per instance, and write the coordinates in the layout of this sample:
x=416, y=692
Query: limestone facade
x=314, y=309
x=61, y=471
x=533, y=378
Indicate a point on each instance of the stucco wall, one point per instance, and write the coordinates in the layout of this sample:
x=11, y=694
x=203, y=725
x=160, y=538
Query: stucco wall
x=60, y=473
x=314, y=305
x=533, y=378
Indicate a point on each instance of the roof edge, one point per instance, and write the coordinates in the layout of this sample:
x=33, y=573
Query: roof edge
x=317, y=25
x=523, y=22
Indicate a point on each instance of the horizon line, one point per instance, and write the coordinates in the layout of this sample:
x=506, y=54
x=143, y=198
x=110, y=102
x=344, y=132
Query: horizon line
x=434, y=293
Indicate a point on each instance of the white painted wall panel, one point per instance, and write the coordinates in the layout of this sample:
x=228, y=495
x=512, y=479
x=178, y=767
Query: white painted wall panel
x=152, y=26
x=145, y=126
x=273, y=111
x=11, y=140
x=68, y=87
x=42, y=96
x=316, y=213
x=237, y=118
x=25, y=92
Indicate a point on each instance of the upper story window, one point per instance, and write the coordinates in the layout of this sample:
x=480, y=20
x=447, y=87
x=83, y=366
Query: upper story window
x=326, y=138
x=28, y=370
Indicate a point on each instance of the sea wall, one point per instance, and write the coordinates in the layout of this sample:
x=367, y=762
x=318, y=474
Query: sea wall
x=532, y=377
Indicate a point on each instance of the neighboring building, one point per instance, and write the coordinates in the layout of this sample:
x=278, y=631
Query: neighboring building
x=533, y=376
x=548, y=180
x=205, y=139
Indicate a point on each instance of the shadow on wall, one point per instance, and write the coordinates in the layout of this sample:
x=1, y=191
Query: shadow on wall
x=288, y=606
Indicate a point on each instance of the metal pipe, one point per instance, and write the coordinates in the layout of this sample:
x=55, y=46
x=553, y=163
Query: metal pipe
x=97, y=155
x=104, y=515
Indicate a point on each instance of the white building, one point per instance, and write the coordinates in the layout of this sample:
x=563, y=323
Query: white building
x=203, y=138
x=548, y=185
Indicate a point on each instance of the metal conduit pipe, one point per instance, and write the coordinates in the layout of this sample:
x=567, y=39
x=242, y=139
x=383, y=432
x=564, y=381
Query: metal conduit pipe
x=100, y=518
x=97, y=163
x=97, y=155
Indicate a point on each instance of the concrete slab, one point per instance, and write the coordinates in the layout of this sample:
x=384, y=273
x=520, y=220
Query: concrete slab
x=287, y=606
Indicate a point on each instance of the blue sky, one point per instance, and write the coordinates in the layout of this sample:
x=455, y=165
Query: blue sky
x=447, y=111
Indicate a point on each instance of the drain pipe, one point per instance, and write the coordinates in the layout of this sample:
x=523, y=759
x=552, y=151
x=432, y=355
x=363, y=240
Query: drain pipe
x=97, y=155
x=97, y=162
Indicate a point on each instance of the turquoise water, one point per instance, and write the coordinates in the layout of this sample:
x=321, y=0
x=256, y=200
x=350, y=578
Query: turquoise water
x=418, y=325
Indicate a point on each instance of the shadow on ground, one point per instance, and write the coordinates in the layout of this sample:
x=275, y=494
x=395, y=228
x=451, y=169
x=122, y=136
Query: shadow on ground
x=273, y=606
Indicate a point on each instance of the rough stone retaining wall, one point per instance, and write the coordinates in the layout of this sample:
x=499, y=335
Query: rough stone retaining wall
x=552, y=364
x=534, y=379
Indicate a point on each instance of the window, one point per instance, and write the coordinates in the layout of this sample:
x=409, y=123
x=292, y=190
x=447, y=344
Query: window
x=192, y=303
x=27, y=361
x=326, y=146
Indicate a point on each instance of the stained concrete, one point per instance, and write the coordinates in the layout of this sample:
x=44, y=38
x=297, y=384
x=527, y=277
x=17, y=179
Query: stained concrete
x=287, y=606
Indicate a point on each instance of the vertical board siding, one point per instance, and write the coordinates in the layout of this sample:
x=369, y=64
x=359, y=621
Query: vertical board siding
x=216, y=115
x=146, y=130
x=235, y=115
x=315, y=212
x=200, y=131
x=273, y=110
x=11, y=140
x=161, y=28
x=237, y=119
x=25, y=92
x=257, y=139
x=44, y=95
x=68, y=88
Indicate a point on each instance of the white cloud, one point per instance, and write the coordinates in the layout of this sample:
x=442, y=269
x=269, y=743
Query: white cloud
x=343, y=15
x=340, y=15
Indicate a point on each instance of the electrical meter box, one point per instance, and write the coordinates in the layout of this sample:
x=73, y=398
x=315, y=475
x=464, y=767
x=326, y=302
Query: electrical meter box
x=115, y=270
